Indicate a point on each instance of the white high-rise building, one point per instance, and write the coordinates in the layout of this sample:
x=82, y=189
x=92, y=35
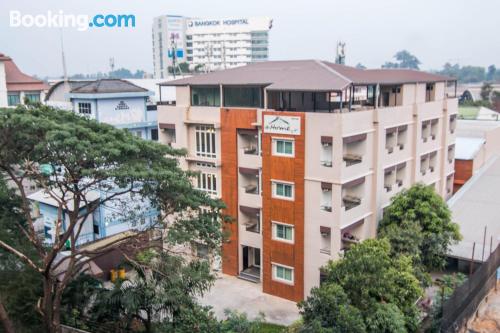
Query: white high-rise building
x=209, y=44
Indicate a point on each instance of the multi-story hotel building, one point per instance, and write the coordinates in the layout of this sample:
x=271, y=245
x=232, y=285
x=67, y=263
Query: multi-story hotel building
x=306, y=155
x=209, y=44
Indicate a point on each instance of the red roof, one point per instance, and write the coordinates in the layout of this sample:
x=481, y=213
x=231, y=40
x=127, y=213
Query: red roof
x=17, y=80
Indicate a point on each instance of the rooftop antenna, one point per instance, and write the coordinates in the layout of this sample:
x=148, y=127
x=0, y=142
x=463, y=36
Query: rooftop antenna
x=340, y=57
x=65, y=72
x=112, y=64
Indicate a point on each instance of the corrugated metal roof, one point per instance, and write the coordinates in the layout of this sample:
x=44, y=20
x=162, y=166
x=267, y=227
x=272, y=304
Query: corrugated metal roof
x=306, y=75
x=475, y=207
x=467, y=148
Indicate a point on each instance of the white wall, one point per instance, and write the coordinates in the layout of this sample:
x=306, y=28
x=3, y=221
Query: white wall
x=3, y=86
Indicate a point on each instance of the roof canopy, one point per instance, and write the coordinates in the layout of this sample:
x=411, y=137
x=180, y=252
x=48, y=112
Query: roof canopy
x=106, y=86
x=307, y=75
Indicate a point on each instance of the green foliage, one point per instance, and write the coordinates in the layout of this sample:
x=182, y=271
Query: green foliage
x=94, y=156
x=20, y=285
x=167, y=285
x=385, y=318
x=420, y=208
x=486, y=90
x=368, y=276
x=404, y=59
x=329, y=307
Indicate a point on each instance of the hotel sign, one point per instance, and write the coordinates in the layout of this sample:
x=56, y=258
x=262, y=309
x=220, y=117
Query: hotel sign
x=281, y=125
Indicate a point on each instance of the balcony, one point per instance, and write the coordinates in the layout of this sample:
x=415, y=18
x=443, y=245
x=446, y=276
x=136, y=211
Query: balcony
x=326, y=240
x=354, y=149
x=351, y=234
x=250, y=218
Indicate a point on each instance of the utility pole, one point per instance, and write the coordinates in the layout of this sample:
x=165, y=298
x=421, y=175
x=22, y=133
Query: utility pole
x=65, y=72
x=173, y=46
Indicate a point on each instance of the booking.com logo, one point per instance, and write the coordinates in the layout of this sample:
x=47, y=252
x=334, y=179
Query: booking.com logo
x=61, y=20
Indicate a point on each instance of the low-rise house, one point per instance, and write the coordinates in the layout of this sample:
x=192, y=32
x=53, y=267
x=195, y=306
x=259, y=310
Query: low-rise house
x=15, y=86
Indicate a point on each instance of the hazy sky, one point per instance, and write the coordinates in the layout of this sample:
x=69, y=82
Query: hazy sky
x=436, y=31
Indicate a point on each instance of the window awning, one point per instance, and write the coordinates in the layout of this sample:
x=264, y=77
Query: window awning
x=250, y=210
x=325, y=230
x=391, y=130
x=166, y=126
x=355, y=138
x=326, y=139
x=249, y=171
x=248, y=132
x=326, y=186
x=402, y=128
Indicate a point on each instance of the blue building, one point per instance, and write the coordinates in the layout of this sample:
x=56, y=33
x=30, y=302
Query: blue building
x=118, y=103
x=108, y=219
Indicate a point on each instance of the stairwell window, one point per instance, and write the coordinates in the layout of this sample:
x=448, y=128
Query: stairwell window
x=283, y=147
x=283, y=273
x=205, y=141
x=283, y=190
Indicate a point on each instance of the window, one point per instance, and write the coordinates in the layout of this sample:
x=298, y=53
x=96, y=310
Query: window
x=13, y=99
x=283, y=232
x=283, y=273
x=205, y=141
x=205, y=96
x=154, y=134
x=33, y=97
x=84, y=108
x=283, y=147
x=283, y=191
x=243, y=96
x=207, y=182
x=201, y=251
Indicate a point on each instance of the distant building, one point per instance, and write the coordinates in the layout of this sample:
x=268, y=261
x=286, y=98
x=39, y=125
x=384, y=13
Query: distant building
x=15, y=86
x=476, y=143
x=210, y=44
x=112, y=101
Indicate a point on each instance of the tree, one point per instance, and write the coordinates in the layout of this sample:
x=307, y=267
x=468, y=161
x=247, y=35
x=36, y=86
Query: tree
x=20, y=286
x=369, y=277
x=360, y=66
x=486, y=90
x=404, y=60
x=491, y=73
x=329, y=307
x=92, y=156
x=163, y=285
x=421, y=208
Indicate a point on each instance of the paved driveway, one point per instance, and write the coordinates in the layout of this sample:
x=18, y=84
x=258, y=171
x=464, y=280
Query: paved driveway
x=232, y=293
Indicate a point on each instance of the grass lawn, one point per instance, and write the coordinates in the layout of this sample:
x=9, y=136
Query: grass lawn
x=272, y=328
x=468, y=112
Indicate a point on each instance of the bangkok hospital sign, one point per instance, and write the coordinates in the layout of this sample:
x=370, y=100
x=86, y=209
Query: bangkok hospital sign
x=281, y=125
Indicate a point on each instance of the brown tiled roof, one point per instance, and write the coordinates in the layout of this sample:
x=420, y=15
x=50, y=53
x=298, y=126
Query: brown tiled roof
x=306, y=75
x=17, y=80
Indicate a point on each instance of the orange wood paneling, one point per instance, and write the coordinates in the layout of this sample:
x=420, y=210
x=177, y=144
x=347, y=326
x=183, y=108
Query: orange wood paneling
x=231, y=120
x=463, y=172
x=291, y=212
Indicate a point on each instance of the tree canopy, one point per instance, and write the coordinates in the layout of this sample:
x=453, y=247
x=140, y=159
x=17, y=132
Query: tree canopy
x=368, y=283
x=418, y=223
x=86, y=156
x=404, y=59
